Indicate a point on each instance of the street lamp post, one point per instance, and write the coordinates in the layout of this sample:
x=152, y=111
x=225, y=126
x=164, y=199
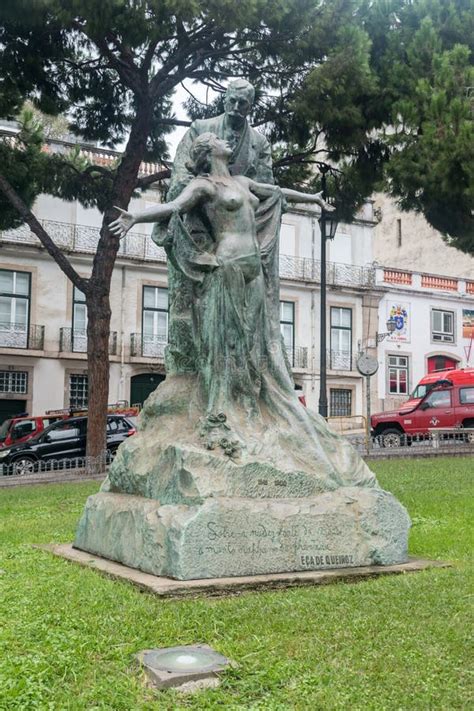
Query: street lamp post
x=328, y=226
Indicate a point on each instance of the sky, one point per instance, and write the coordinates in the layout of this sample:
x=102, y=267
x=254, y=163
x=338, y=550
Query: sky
x=200, y=92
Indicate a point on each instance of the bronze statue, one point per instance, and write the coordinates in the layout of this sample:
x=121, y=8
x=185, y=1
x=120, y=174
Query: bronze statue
x=240, y=361
x=228, y=473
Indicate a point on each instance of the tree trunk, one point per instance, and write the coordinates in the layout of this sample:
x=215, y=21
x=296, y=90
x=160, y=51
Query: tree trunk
x=98, y=295
x=98, y=335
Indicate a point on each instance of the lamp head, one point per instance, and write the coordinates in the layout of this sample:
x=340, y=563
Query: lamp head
x=391, y=325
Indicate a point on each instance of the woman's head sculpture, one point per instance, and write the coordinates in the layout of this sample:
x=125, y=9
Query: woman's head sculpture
x=200, y=151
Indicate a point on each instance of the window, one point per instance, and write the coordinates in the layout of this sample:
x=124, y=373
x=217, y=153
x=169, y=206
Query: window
x=466, y=396
x=23, y=428
x=115, y=425
x=341, y=249
x=14, y=308
x=66, y=430
x=439, y=398
x=287, y=328
x=421, y=390
x=398, y=375
x=340, y=402
x=442, y=326
x=288, y=240
x=341, y=338
x=79, y=322
x=154, y=320
x=78, y=391
x=13, y=382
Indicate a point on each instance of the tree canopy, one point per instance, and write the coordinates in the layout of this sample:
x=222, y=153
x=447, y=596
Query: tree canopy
x=111, y=68
x=392, y=107
x=380, y=89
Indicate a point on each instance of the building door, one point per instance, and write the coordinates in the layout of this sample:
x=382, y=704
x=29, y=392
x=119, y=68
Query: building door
x=10, y=408
x=441, y=362
x=142, y=385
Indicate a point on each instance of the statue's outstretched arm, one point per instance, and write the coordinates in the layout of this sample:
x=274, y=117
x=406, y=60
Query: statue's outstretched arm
x=263, y=190
x=194, y=193
x=315, y=198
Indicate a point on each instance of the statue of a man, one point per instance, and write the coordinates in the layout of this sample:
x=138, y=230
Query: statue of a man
x=252, y=154
x=251, y=157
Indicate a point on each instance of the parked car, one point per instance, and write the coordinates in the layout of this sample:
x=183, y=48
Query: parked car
x=21, y=428
x=63, y=442
x=448, y=405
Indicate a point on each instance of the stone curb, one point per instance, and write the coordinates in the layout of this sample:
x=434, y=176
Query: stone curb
x=169, y=588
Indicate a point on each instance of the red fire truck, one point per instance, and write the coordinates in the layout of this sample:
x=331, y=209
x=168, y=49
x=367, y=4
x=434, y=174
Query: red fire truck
x=442, y=400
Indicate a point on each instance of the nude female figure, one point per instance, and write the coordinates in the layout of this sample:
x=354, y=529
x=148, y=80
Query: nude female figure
x=228, y=202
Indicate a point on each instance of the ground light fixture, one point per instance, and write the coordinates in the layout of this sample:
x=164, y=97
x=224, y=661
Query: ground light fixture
x=178, y=666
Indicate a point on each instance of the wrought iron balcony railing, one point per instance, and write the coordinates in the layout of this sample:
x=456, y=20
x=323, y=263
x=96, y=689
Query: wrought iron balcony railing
x=340, y=360
x=75, y=341
x=19, y=335
x=305, y=269
x=145, y=346
x=84, y=239
x=298, y=357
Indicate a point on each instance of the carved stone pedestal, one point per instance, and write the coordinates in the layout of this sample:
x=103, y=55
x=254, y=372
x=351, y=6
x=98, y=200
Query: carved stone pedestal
x=178, y=504
x=222, y=537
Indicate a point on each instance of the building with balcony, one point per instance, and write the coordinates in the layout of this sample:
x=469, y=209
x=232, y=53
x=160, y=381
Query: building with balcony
x=43, y=318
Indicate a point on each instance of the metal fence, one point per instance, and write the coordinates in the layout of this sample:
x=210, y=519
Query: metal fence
x=397, y=444
x=340, y=360
x=306, y=269
x=298, y=357
x=147, y=346
x=27, y=466
x=75, y=341
x=28, y=470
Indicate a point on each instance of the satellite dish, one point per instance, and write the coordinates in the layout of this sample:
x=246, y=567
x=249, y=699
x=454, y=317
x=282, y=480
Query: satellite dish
x=367, y=364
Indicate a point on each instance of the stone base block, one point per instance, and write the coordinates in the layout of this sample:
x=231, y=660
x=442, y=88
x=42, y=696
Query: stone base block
x=226, y=537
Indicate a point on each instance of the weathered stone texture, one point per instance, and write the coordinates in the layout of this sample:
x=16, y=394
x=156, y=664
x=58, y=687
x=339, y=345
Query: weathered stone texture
x=241, y=536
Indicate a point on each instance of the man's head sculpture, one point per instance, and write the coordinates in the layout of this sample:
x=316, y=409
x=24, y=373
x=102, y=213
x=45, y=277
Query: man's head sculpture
x=238, y=99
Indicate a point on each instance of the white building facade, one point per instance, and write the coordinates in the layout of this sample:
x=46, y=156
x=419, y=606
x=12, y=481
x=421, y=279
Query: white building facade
x=434, y=318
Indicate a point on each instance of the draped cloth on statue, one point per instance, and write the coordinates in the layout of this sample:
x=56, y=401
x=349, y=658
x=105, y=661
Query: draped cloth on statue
x=241, y=369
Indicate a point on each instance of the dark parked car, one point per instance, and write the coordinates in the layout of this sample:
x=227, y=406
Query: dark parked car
x=61, y=445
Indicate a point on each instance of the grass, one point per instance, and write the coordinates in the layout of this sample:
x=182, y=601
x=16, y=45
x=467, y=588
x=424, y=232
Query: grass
x=68, y=635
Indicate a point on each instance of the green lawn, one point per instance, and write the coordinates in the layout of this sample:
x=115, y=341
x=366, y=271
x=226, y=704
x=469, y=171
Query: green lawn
x=68, y=634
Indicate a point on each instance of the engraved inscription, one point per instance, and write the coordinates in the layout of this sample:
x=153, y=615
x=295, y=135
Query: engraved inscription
x=326, y=561
x=288, y=540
